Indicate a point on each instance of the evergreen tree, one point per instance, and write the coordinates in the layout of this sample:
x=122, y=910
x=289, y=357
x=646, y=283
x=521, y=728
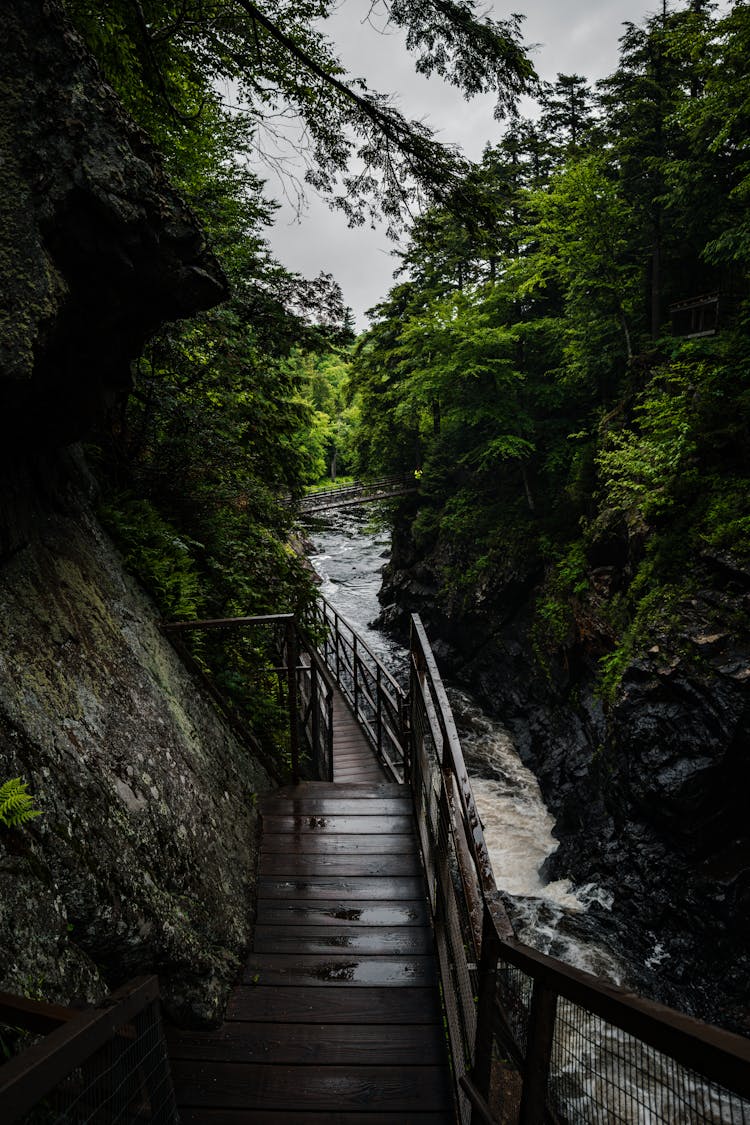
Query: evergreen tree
x=567, y=115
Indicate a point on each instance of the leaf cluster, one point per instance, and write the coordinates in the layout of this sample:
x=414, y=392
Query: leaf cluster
x=16, y=803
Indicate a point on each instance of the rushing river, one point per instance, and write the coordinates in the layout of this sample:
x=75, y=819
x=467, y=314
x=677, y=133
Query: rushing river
x=350, y=552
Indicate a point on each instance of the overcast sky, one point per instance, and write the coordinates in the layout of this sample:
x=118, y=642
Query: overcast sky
x=571, y=37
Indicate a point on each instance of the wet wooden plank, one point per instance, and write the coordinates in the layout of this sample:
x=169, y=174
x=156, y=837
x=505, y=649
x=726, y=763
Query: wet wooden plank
x=354, y=768
x=286, y=863
x=328, y=788
x=376, y=941
x=340, y=887
x=345, y=806
x=352, y=759
x=264, y=1003
x=338, y=1019
x=355, y=764
x=322, y=1089
x=348, y=844
x=331, y=1044
x=355, y=773
x=353, y=824
x=361, y=762
x=332, y=912
x=205, y=1116
x=317, y=970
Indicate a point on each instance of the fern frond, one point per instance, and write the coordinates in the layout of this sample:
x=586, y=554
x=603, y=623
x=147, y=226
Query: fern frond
x=16, y=804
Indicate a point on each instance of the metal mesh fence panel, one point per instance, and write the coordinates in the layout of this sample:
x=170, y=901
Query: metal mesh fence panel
x=514, y=989
x=125, y=1082
x=604, y=1076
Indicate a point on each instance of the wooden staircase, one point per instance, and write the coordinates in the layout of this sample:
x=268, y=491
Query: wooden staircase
x=337, y=1019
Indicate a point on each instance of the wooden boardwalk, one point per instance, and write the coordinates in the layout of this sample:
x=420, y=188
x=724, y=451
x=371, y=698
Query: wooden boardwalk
x=337, y=1018
x=353, y=759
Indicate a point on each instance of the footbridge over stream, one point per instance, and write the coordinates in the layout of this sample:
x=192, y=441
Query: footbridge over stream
x=385, y=985
x=356, y=494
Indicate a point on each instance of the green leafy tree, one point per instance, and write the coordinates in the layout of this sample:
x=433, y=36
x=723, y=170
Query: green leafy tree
x=584, y=233
x=170, y=60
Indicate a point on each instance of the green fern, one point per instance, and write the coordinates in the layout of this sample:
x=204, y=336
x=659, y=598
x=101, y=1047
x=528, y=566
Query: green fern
x=16, y=805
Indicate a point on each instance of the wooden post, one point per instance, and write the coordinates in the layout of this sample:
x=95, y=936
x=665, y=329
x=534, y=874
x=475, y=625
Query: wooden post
x=379, y=711
x=291, y=672
x=336, y=643
x=486, y=1000
x=315, y=715
x=538, y=1054
x=355, y=667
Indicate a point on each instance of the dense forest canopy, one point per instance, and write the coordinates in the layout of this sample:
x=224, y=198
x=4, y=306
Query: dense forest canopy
x=236, y=407
x=525, y=358
x=542, y=363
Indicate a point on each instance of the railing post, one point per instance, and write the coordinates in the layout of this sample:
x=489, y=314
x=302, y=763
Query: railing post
x=315, y=716
x=540, y=1034
x=329, y=735
x=291, y=672
x=336, y=640
x=486, y=1000
x=355, y=670
x=378, y=711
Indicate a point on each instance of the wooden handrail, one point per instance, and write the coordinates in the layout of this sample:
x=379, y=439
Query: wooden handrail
x=718, y=1056
x=711, y=1051
x=225, y=622
x=328, y=610
x=376, y=697
x=29, y=1077
x=33, y=1015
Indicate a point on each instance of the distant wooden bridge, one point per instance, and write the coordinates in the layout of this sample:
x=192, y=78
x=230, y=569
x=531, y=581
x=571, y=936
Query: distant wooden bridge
x=352, y=495
x=384, y=985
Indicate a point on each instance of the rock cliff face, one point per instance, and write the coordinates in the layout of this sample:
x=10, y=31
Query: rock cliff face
x=650, y=790
x=96, y=249
x=144, y=857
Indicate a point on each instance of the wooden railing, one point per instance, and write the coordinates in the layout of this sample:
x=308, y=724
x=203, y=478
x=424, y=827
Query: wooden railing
x=360, y=492
x=315, y=710
x=577, y=1048
x=374, y=695
x=304, y=685
x=532, y=1040
x=106, y=1064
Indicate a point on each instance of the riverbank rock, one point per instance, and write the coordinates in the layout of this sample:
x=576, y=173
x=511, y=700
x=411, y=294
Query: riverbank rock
x=648, y=787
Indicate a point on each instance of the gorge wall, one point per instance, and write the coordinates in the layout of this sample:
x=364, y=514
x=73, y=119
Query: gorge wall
x=649, y=787
x=143, y=859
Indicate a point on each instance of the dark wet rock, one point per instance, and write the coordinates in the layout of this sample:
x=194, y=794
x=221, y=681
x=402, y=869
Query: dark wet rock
x=145, y=856
x=650, y=790
x=96, y=248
